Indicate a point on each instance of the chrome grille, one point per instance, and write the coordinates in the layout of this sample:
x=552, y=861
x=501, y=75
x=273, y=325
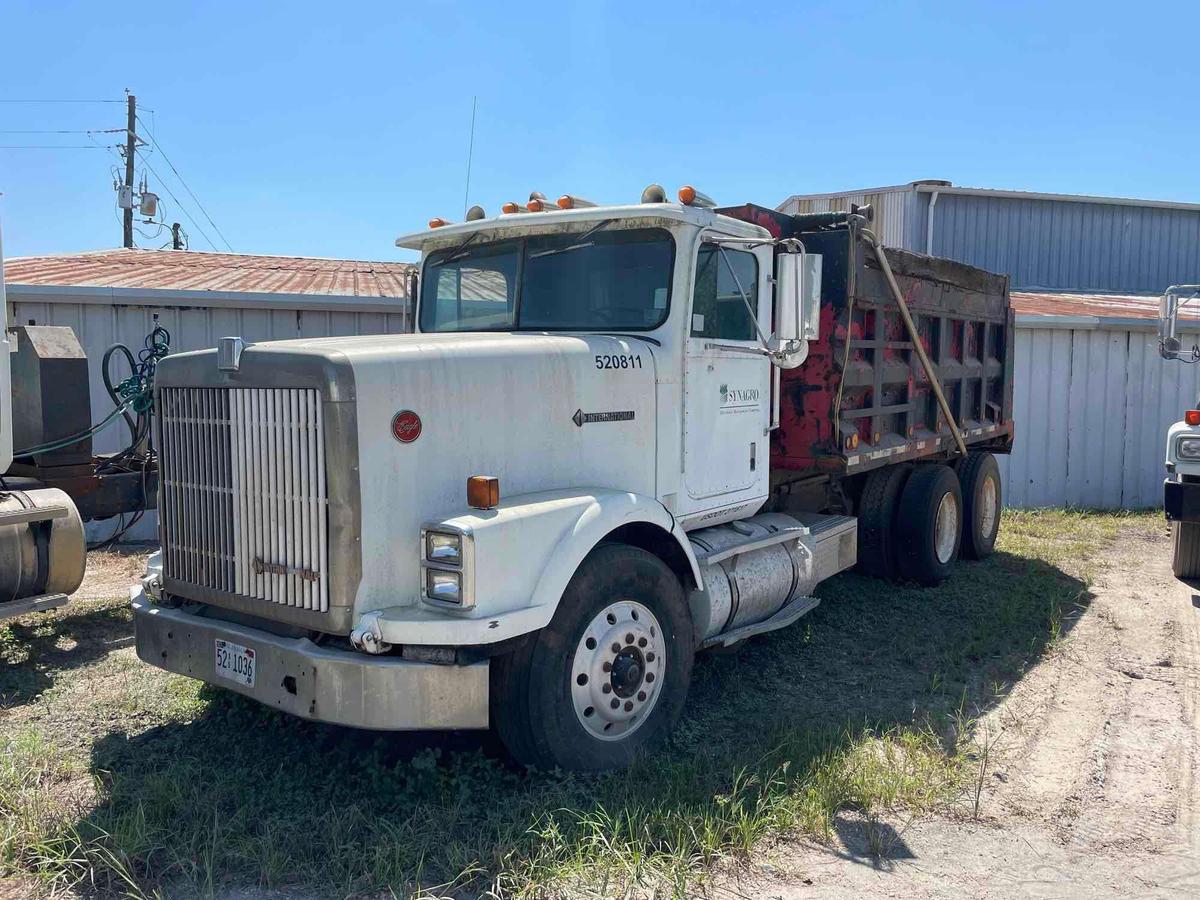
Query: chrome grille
x=244, y=497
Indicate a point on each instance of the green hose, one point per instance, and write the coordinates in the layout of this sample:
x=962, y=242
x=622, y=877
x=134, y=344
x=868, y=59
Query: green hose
x=75, y=438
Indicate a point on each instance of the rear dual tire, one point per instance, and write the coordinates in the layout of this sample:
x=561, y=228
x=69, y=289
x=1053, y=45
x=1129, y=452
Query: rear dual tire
x=877, y=534
x=929, y=525
x=979, y=477
x=915, y=521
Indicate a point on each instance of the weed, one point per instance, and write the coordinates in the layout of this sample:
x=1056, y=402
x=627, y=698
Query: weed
x=121, y=777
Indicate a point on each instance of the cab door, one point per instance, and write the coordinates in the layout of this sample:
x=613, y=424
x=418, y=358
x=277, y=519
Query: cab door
x=727, y=382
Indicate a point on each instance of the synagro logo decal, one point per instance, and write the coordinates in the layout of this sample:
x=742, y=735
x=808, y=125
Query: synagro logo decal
x=738, y=400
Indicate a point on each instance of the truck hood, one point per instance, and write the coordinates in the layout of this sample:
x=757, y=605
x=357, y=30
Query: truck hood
x=409, y=418
x=540, y=412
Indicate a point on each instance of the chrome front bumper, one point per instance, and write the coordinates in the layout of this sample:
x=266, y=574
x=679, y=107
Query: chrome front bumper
x=294, y=674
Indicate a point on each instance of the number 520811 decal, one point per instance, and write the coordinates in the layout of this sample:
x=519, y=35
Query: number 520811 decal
x=618, y=361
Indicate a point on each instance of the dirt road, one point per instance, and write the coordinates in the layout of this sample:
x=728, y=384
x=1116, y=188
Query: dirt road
x=1090, y=785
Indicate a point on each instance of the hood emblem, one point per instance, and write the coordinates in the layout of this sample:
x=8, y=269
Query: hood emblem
x=406, y=426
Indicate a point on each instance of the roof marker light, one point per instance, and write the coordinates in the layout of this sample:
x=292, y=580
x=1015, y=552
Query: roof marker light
x=689, y=196
x=1192, y=417
x=512, y=207
x=567, y=201
x=438, y=222
x=475, y=213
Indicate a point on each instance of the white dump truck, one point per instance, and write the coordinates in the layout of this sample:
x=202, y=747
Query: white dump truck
x=1181, y=487
x=619, y=435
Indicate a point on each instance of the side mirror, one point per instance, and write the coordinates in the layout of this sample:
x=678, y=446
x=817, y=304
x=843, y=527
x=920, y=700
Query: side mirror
x=797, y=307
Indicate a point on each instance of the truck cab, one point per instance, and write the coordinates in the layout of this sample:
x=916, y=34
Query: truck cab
x=531, y=512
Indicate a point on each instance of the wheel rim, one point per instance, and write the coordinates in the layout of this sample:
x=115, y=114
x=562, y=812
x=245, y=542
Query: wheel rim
x=946, y=527
x=619, y=660
x=988, y=506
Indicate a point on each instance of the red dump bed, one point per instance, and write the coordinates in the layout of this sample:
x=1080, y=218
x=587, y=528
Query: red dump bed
x=852, y=408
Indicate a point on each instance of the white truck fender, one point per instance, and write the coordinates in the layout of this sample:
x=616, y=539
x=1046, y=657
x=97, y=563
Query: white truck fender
x=609, y=511
x=524, y=554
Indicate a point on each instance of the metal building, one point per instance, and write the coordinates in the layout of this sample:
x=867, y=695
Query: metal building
x=1092, y=397
x=1092, y=401
x=1061, y=242
x=112, y=296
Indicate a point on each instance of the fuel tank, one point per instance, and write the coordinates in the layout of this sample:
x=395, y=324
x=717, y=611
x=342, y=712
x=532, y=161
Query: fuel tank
x=751, y=568
x=39, y=557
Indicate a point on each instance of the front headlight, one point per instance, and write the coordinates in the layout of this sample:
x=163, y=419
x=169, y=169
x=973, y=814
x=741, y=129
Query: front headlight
x=443, y=548
x=443, y=585
x=1188, y=448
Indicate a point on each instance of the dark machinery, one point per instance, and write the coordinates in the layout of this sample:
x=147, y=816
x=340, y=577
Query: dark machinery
x=52, y=481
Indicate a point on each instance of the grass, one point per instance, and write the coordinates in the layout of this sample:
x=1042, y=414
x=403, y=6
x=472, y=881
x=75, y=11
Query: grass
x=120, y=779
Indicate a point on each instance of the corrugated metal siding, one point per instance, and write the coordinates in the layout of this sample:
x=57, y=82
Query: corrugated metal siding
x=1059, y=244
x=889, y=209
x=99, y=325
x=1092, y=408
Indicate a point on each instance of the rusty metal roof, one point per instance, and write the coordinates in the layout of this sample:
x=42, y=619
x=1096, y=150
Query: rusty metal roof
x=234, y=273
x=193, y=270
x=1122, y=306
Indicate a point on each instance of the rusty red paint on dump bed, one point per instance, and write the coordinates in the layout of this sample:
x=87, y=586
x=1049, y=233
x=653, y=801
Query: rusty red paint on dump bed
x=861, y=399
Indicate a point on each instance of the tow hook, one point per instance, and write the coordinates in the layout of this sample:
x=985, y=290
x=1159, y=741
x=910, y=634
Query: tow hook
x=152, y=585
x=367, y=636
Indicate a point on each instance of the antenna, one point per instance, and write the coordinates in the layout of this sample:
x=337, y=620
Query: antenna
x=470, y=153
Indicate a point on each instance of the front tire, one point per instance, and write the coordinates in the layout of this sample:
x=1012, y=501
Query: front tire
x=929, y=524
x=1185, y=549
x=607, y=678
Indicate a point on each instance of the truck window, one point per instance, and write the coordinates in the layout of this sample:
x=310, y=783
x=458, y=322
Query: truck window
x=600, y=280
x=471, y=292
x=615, y=279
x=718, y=310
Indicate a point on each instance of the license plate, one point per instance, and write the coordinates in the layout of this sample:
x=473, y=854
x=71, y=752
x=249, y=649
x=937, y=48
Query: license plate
x=235, y=662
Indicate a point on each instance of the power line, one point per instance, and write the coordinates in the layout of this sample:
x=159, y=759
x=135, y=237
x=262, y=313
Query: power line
x=51, y=147
x=46, y=132
x=176, y=199
x=62, y=101
x=167, y=159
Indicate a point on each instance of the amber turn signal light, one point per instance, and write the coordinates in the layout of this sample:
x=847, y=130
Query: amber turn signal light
x=483, y=491
x=1192, y=417
x=689, y=196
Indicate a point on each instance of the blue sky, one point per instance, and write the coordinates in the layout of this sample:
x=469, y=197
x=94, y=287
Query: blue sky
x=328, y=129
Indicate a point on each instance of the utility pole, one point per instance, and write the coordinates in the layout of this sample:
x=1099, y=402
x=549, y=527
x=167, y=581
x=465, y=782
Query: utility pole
x=176, y=242
x=130, y=147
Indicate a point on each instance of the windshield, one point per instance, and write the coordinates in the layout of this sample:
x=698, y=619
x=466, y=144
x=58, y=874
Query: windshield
x=590, y=281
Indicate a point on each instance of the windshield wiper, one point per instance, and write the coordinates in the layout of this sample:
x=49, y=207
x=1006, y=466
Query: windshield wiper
x=578, y=245
x=457, y=252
